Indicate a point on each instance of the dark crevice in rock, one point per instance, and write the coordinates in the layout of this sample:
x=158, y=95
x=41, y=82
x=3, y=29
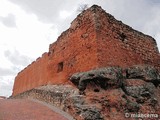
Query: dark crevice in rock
x=96, y=90
x=156, y=83
x=132, y=106
x=124, y=90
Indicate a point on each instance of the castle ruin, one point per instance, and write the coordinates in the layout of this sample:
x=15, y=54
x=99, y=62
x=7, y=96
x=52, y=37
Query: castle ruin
x=95, y=39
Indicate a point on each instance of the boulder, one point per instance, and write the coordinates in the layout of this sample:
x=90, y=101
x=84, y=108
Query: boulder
x=104, y=77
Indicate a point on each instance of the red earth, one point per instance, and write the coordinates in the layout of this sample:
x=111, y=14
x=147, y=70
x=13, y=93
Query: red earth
x=25, y=109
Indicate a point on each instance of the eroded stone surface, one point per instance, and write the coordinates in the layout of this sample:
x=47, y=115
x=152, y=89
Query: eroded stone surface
x=132, y=95
x=147, y=73
x=110, y=76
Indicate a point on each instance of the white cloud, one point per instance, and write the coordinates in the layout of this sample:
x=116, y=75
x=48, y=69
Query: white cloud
x=9, y=20
x=16, y=58
x=64, y=14
x=6, y=84
x=6, y=71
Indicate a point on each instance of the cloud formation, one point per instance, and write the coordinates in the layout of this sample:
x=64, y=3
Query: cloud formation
x=6, y=72
x=142, y=15
x=46, y=10
x=9, y=20
x=16, y=58
x=6, y=84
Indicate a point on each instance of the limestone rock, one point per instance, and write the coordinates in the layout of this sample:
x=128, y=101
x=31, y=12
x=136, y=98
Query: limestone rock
x=134, y=89
x=144, y=72
x=105, y=77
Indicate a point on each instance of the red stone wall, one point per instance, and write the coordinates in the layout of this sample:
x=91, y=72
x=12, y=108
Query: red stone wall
x=76, y=48
x=119, y=44
x=74, y=51
x=95, y=39
x=32, y=76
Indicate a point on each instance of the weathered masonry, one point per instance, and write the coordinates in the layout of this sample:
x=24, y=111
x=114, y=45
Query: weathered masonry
x=95, y=39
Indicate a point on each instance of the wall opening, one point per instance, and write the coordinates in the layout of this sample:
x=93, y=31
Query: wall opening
x=60, y=67
x=96, y=90
x=123, y=37
x=53, y=51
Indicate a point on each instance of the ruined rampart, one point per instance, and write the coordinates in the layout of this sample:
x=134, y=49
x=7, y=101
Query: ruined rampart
x=95, y=39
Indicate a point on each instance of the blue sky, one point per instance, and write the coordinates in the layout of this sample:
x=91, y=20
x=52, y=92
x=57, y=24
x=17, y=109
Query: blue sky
x=27, y=27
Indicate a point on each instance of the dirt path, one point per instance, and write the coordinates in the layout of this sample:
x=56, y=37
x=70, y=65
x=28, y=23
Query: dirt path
x=24, y=109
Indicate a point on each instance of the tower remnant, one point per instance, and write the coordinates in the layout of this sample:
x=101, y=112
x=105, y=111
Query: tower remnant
x=95, y=39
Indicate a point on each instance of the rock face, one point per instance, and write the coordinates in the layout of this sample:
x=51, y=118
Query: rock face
x=95, y=39
x=117, y=91
x=105, y=77
x=108, y=93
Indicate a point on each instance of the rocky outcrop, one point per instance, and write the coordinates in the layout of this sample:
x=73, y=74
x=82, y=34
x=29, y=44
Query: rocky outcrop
x=146, y=73
x=119, y=91
x=105, y=94
x=105, y=77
